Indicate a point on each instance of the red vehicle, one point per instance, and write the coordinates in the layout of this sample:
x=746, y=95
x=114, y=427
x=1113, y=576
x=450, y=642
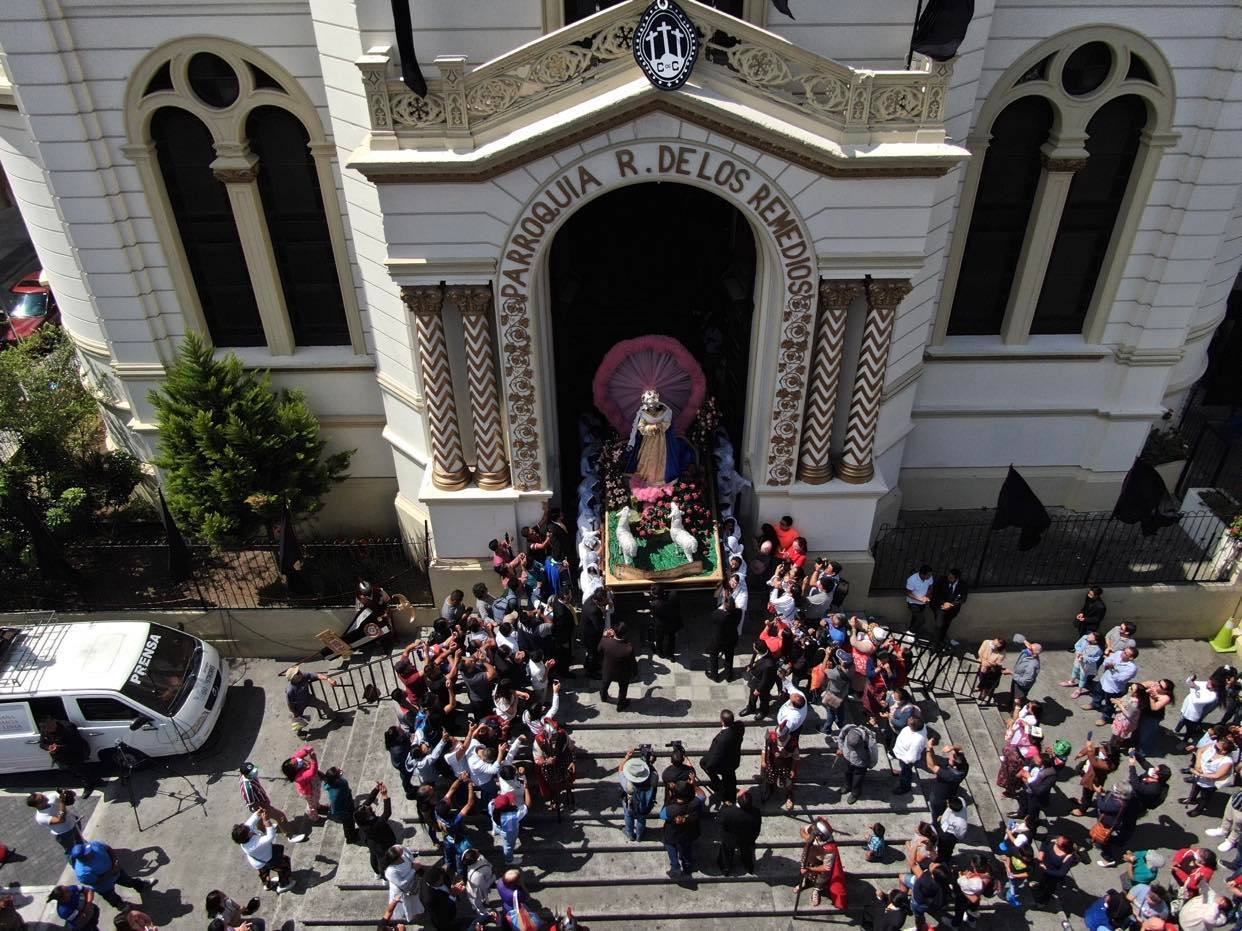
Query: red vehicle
x=30, y=306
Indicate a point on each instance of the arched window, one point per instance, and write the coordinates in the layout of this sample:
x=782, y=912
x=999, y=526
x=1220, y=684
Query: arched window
x=1065, y=153
x=998, y=225
x=1090, y=216
x=293, y=206
x=208, y=231
x=239, y=177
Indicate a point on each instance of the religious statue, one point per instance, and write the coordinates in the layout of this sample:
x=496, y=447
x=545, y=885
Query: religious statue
x=650, y=460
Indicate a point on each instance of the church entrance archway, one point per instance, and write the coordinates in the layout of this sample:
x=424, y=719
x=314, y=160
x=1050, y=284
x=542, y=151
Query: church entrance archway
x=651, y=258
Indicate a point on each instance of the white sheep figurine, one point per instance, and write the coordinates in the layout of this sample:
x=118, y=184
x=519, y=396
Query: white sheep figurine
x=683, y=538
x=625, y=538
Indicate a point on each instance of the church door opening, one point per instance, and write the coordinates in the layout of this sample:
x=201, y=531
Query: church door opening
x=654, y=258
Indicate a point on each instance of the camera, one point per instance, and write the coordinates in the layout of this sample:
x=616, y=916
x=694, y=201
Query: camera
x=676, y=745
x=67, y=796
x=646, y=751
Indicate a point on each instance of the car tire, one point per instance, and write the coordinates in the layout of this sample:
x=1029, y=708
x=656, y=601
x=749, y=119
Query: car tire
x=371, y=630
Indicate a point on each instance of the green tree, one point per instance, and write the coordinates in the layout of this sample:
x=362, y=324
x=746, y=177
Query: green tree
x=234, y=451
x=52, y=447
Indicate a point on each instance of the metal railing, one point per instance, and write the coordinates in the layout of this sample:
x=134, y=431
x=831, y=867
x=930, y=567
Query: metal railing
x=112, y=575
x=359, y=684
x=1077, y=549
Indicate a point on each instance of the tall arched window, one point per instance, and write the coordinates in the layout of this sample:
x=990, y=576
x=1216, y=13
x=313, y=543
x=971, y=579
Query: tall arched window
x=293, y=206
x=998, y=225
x=1090, y=216
x=1070, y=139
x=208, y=231
x=240, y=182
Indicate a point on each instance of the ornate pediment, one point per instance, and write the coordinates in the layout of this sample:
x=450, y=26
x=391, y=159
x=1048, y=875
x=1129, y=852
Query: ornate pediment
x=748, y=83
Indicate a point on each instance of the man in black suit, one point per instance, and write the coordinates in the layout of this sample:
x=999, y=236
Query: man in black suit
x=948, y=594
x=618, y=664
x=725, y=621
x=722, y=759
x=762, y=677
x=594, y=620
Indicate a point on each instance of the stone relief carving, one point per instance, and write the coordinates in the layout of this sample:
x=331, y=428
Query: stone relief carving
x=792, y=76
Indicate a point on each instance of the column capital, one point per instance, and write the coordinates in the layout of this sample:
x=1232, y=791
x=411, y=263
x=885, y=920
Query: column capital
x=471, y=299
x=838, y=292
x=1068, y=164
x=235, y=165
x=423, y=299
x=887, y=293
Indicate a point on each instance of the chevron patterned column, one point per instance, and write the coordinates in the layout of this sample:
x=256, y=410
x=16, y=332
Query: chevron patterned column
x=814, y=467
x=883, y=296
x=475, y=304
x=448, y=463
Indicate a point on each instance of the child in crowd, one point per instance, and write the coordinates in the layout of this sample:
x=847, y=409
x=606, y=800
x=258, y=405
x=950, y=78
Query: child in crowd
x=876, y=847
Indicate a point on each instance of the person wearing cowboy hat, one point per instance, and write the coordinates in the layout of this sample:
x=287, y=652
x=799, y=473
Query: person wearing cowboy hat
x=822, y=866
x=639, y=787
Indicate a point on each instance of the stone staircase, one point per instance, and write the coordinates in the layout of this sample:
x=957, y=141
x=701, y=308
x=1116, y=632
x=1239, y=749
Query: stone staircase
x=581, y=859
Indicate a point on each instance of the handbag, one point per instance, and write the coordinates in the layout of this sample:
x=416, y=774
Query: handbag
x=1100, y=833
x=832, y=700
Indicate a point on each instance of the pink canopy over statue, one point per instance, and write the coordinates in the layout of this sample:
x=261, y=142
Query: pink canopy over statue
x=649, y=363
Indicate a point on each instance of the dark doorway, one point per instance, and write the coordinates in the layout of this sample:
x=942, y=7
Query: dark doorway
x=651, y=258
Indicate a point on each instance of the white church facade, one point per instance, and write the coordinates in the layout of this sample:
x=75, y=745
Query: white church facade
x=898, y=278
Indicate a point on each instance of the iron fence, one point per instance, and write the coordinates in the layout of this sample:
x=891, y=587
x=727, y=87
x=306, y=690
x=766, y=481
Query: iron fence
x=1077, y=549
x=133, y=575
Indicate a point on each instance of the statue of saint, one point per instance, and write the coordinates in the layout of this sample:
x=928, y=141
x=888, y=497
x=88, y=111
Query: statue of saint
x=650, y=460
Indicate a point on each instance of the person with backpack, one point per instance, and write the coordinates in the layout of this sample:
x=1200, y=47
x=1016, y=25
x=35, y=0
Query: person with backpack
x=683, y=824
x=857, y=746
x=638, y=785
x=402, y=872
x=836, y=689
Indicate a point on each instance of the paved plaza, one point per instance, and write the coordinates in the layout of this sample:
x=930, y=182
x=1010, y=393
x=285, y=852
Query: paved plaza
x=176, y=833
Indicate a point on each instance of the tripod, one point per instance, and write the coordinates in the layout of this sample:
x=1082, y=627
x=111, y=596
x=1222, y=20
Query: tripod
x=128, y=759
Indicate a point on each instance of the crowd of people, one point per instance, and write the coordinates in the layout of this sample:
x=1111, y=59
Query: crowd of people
x=478, y=742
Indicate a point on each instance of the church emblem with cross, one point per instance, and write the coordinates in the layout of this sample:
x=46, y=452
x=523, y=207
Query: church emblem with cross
x=666, y=45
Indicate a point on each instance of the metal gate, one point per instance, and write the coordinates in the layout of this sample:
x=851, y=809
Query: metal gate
x=942, y=667
x=354, y=682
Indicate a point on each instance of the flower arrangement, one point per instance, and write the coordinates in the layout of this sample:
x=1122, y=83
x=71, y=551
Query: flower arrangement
x=1235, y=527
x=611, y=466
x=702, y=432
x=695, y=507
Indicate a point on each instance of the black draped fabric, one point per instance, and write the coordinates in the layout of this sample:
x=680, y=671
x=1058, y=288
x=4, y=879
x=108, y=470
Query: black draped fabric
x=1145, y=500
x=411, y=74
x=942, y=27
x=179, y=561
x=1018, y=506
x=783, y=7
x=288, y=552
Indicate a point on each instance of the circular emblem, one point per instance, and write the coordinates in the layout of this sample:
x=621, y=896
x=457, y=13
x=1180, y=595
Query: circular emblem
x=666, y=45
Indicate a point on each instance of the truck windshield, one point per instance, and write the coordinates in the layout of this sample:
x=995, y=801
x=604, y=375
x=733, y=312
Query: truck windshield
x=165, y=670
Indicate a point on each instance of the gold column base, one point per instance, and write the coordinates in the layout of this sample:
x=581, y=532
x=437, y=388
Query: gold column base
x=493, y=481
x=855, y=474
x=815, y=474
x=449, y=481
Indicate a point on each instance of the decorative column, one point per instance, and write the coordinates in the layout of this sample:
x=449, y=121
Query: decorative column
x=814, y=466
x=238, y=169
x=883, y=296
x=448, y=471
x=475, y=305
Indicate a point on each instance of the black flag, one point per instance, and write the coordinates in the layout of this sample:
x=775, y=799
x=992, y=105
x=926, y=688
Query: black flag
x=411, y=75
x=1145, y=500
x=178, y=552
x=941, y=28
x=288, y=552
x=782, y=6
x=1018, y=506
x=52, y=563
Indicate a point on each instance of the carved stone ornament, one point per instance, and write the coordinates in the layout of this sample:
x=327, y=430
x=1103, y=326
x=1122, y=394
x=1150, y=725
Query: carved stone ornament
x=236, y=175
x=666, y=45
x=475, y=304
x=515, y=360
x=796, y=327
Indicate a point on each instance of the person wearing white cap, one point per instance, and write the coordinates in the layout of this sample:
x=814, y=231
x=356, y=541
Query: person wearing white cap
x=639, y=787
